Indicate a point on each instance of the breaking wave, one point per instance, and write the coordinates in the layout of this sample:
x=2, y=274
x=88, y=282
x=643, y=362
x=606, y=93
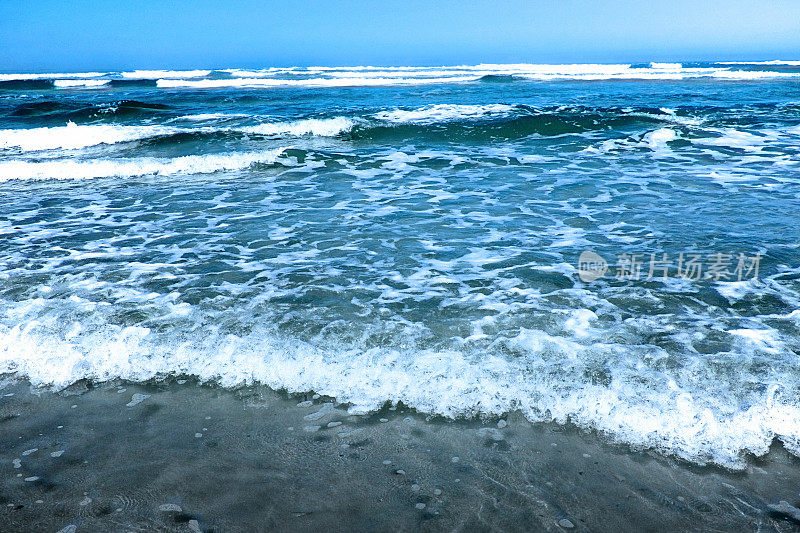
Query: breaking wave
x=144, y=166
x=447, y=121
x=365, y=76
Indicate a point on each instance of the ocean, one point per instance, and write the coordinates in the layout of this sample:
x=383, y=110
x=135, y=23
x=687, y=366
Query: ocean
x=614, y=247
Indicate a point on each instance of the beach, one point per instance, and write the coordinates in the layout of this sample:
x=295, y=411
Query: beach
x=187, y=457
x=361, y=298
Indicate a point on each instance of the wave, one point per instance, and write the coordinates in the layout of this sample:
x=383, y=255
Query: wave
x=495, y=122
x=445, y=113
x=156, y=74
x=548, y=384
x=778, y=62
x=203, y=117
x=77, y=111
x=482, y=73
x=73, y=136
x=50, y=75
x=498, y=78
x=439, y=122
x=319, y=127
x=69, y=169
x=367, y=76
x=312, y=82
x=64, y=84
x=132, y=83
x=23, y=85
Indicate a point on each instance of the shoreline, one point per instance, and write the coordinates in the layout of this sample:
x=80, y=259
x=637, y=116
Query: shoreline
x=179, y=456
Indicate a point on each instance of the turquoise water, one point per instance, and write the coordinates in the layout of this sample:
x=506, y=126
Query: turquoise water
x=414, y=235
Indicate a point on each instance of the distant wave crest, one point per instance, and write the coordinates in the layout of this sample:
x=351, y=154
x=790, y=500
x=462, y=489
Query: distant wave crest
x=361, y=76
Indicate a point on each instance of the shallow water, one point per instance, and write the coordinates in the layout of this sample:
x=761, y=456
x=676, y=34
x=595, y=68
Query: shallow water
x=415, y=236
x=173, y=456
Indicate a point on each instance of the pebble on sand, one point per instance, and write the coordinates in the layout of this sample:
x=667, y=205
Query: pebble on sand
x=567, y=524
x=501, y=423
x=17, y=463
x=493, y=434
x=170, y=508
x=198, y=435
x=324, y=410
x=28, y=452
x=68, y=529
x=56, y=454
x=387, y=462
x=334, y=424
x=437, y=492
x=455, y=459
x=400, y=472
x=384, y=420
x=136, y=399
x=420, y=506
x=307, y=403
x=32, y=478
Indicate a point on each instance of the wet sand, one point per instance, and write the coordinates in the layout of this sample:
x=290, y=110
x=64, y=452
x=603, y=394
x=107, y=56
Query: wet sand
x=178, y=456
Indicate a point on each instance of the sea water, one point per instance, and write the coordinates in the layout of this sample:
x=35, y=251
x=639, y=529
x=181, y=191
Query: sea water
x=613, y=246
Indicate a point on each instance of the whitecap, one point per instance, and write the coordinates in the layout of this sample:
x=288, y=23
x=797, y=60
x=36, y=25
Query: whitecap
x=104, y=168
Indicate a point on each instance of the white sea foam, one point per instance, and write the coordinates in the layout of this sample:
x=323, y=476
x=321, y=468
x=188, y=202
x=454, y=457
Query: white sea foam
x=640, y=409
x=657, y=140
x=752, y=74
x=103, y=168
x=671, y=66
x=156, y=74
x=74, y=136
x=201, y=117
x=80, y=83
x=314, y=82
x=320, y=127
x=380, y=76
x=778, y=62
x=444, y=113
x=259, y=73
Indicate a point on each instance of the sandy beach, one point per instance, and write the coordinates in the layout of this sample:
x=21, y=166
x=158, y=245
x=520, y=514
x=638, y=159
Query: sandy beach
x=178, y=456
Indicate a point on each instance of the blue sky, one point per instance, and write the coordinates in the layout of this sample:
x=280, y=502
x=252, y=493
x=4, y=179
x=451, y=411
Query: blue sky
x=41, y=35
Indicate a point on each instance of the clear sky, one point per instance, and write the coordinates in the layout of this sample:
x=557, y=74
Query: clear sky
x=42, y=35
